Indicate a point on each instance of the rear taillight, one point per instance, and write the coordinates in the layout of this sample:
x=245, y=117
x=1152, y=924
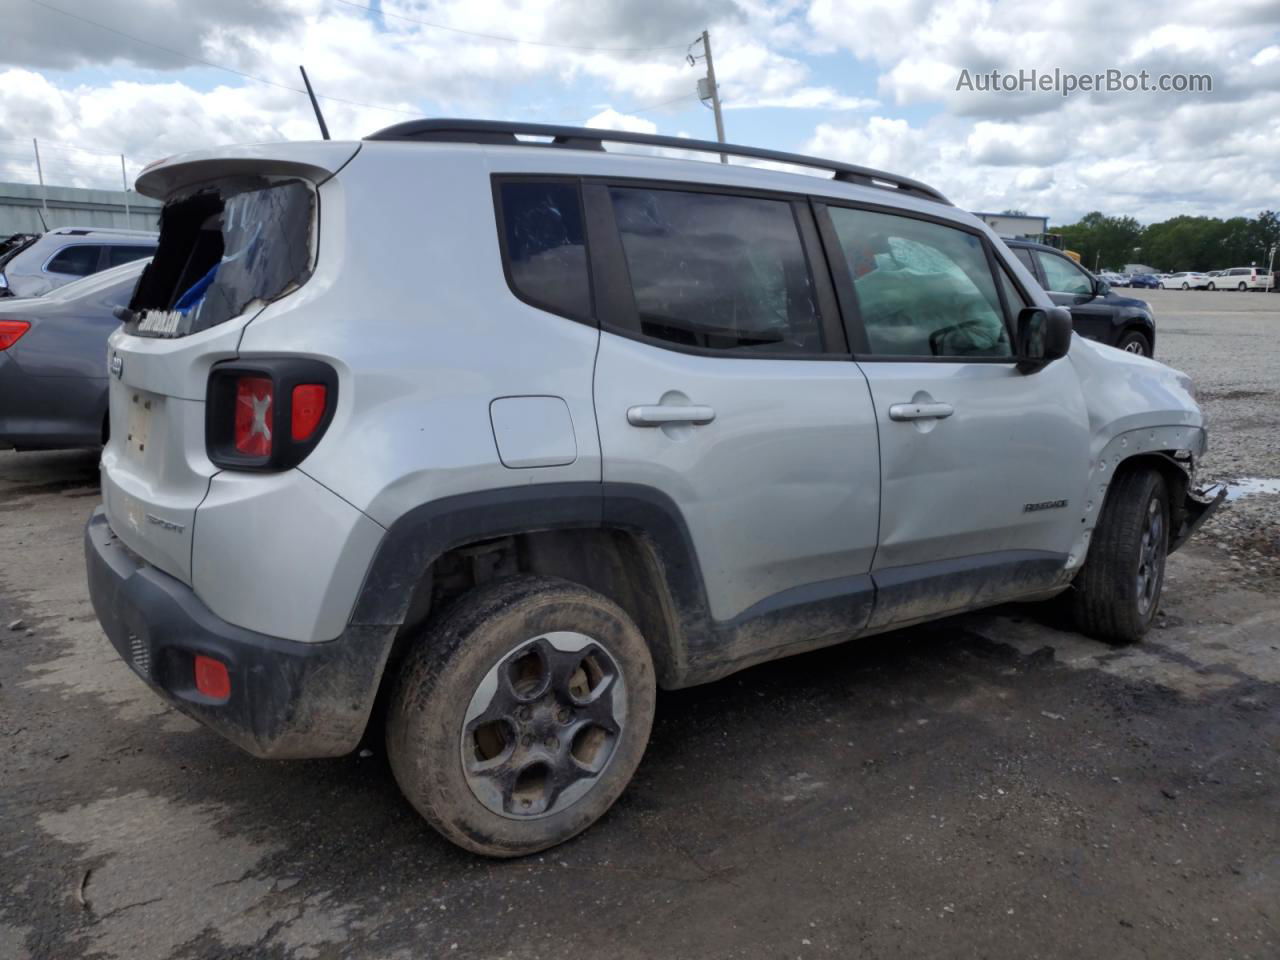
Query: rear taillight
x=308, y=410
x=253, y=416
x=268, y=414
x=10, y=331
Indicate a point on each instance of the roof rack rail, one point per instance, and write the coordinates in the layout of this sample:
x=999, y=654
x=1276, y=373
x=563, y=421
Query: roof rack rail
x=587, y=138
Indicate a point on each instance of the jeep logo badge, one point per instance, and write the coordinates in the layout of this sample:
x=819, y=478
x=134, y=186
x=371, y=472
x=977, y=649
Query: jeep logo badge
x=117, y=365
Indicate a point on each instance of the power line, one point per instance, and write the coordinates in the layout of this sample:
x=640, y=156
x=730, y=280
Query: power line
x=218, y=66
x=491, y=36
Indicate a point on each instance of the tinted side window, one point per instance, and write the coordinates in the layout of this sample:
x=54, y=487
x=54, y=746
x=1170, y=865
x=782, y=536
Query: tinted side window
x=923, y=289
x=118, y=255
x=79, y=260
x=544, y=246
x=1063, y=276
x=1023, y=254
x=718, y=272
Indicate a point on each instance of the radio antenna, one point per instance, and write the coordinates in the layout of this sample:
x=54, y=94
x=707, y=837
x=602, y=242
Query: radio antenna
x=315, y=105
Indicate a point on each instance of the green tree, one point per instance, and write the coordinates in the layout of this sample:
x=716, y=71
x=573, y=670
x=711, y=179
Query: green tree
x=1102, y=241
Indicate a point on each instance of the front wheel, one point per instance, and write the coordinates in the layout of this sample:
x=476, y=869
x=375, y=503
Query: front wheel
x=1116, y=595
x=520, y=717
x=1135, y=342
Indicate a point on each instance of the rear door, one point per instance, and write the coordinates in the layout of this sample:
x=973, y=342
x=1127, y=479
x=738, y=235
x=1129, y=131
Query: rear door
x=982, y=467
x=724, y=384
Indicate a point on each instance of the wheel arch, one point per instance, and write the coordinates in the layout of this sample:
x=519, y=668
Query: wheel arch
x=1171, y=450
x=624, y=541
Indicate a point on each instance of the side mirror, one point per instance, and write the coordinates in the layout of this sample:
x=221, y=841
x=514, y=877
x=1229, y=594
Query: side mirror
x=1043, y=336
x=1100, y=287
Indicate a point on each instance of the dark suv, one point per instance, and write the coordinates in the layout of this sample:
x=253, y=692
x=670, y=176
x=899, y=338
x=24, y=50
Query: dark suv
x=1097, y=312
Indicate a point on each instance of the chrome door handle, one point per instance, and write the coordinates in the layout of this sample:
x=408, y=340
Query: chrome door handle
x=920, y=411
x=655, y=415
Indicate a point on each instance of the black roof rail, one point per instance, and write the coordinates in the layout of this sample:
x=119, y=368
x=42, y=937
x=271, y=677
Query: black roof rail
x=588, y=138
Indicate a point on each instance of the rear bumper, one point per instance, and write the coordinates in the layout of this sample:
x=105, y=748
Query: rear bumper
x=288, y=699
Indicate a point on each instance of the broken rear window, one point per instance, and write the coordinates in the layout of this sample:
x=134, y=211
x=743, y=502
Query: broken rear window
x=222, y=249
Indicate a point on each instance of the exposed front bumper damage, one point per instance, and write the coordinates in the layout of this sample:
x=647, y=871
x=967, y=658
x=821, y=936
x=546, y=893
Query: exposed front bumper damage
x=1197, y=506
x=288, y=699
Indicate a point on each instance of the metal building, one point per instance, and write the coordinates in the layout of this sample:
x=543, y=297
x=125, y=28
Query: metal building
x=22, y=209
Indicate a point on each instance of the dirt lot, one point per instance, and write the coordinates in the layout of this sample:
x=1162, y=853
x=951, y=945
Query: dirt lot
x=993, y=785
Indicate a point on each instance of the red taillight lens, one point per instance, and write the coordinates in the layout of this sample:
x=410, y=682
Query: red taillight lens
x=212, y=678
x=254, y=399
x=307, y=409
x=10, y=331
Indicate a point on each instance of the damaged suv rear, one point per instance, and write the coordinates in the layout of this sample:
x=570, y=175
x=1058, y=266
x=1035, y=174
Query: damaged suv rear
x=506, y=434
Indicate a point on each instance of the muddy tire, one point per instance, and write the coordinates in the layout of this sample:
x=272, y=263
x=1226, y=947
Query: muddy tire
x=519, y=718
x=1135, y=342
x=1116, y=596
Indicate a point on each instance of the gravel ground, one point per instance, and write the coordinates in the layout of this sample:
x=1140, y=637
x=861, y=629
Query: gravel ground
x=1229, y=343
x=990, y=785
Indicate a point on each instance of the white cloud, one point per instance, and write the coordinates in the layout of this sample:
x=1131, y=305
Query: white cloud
x=807, y=98
x=873, y=79
x=611, y=119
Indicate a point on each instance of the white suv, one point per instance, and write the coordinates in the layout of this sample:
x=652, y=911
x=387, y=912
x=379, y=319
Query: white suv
x=508, y=434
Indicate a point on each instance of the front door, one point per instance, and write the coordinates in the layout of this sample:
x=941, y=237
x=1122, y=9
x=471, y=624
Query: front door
x=1070, y=286
x=724, y=385
x=983, y=467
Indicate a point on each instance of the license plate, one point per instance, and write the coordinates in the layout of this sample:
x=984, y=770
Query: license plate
x=139, y=423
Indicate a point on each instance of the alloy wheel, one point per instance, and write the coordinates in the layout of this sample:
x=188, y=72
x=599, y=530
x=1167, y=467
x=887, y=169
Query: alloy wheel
x=1150, y=557
x=542, y=725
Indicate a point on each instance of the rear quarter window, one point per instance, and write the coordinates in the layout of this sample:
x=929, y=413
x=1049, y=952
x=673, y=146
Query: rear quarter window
x=544, y=248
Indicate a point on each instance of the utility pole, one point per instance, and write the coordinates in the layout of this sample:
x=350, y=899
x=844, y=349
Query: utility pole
x=124, y=178
x=708, y=89
x=44, y=192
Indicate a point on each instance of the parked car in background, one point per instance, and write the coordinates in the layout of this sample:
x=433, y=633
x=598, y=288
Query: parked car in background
x=1096, y=311
x=1186, y=280
x=1148, y=280
x=53, y=361
x=588, y=464
x=36, y=264
x=1114, y=278
x=1237, y=278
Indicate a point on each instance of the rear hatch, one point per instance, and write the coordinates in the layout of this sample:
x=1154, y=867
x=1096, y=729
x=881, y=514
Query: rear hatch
x=237, y=232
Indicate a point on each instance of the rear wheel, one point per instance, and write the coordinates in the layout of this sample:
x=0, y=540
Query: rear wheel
x=1135, y=342
x=1116, y=595
x=521, y=717
x=1185, y=285
x=1242, y=287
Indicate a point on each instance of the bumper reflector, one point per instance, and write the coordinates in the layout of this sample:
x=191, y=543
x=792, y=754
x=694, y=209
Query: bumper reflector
x=212, y=678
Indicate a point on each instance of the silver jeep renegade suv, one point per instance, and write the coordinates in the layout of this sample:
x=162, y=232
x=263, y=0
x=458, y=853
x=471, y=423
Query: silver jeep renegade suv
x=502, y=431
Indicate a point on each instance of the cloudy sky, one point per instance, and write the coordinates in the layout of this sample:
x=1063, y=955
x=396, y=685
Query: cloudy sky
x=871, y=81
